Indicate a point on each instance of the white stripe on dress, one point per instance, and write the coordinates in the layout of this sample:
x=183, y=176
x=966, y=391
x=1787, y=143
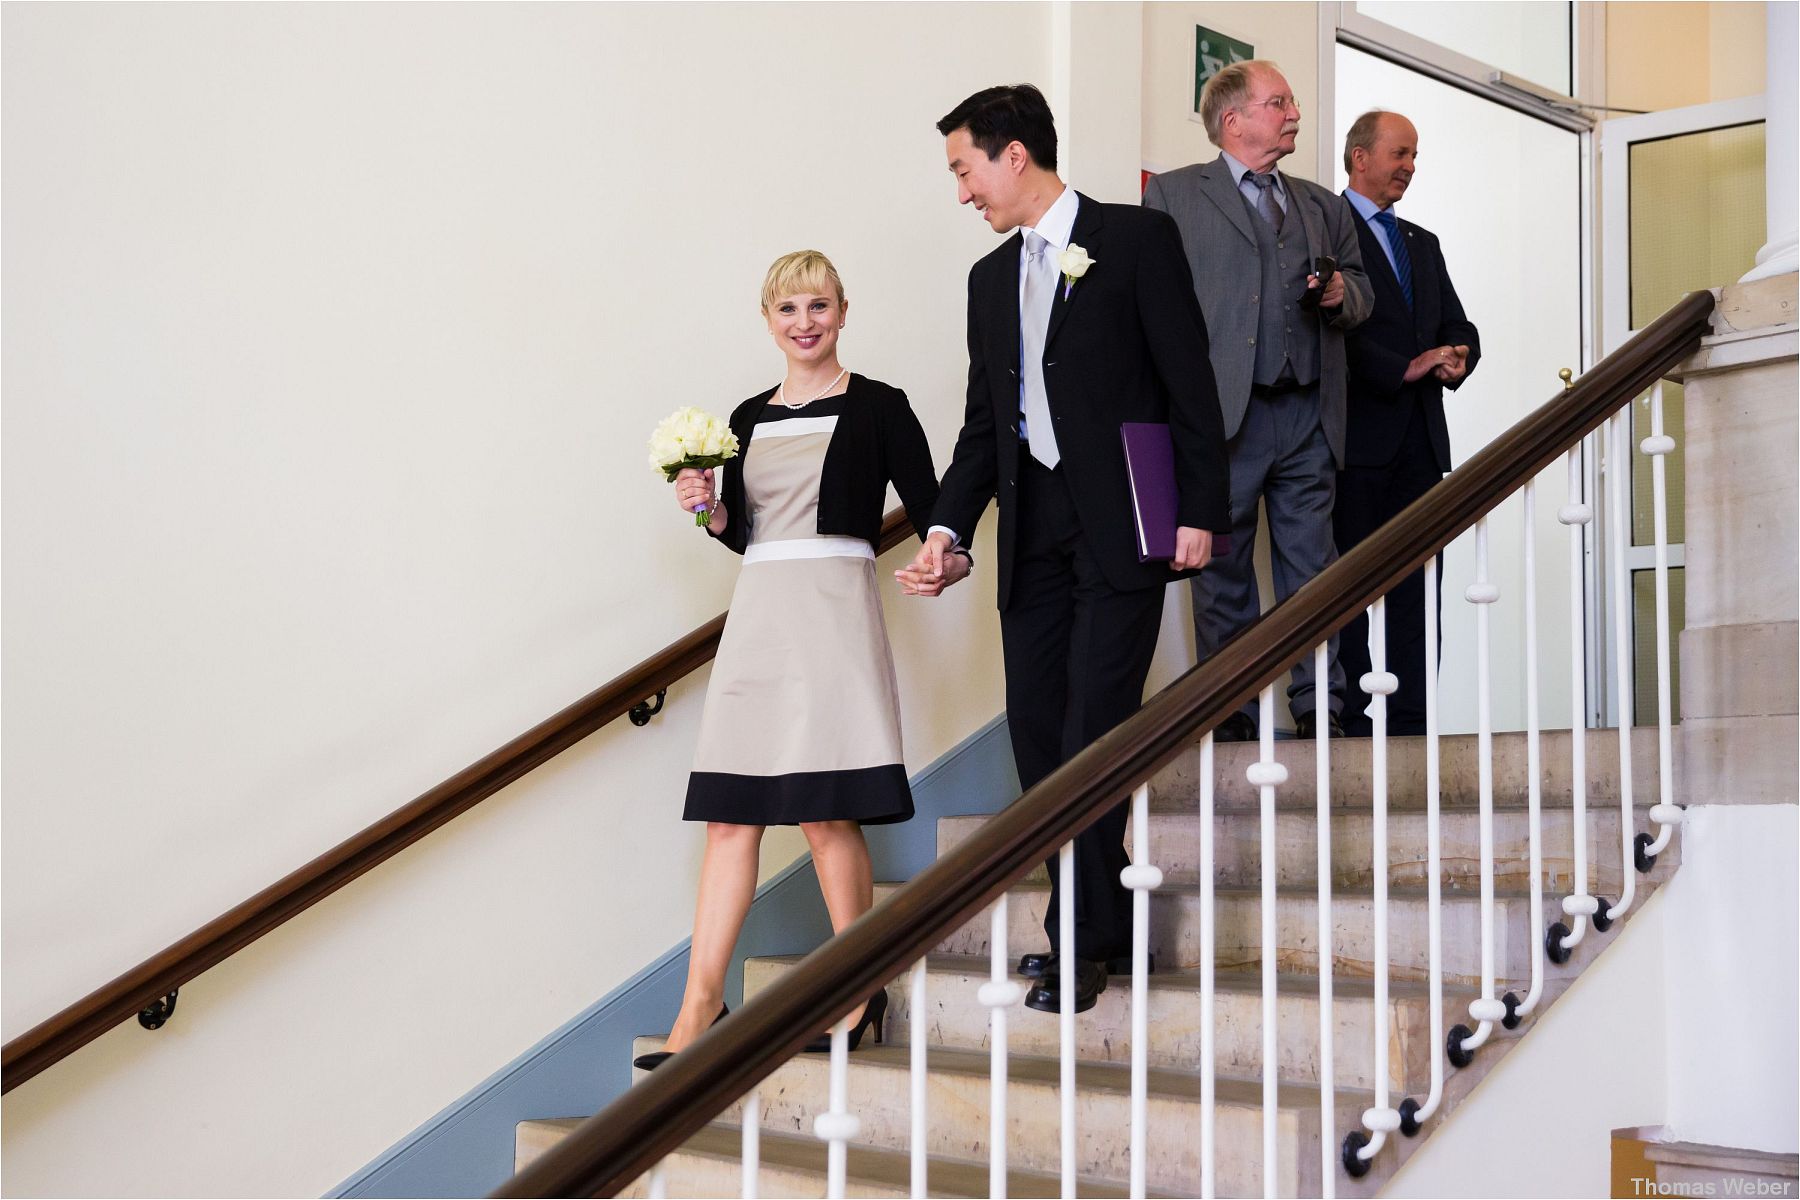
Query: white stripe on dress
x=821, y=547
x=795, y=427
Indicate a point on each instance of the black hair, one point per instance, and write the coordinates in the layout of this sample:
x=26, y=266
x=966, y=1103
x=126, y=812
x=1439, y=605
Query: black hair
x=998, y=116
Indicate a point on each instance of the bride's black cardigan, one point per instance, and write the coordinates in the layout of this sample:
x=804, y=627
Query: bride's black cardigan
x=877, y=439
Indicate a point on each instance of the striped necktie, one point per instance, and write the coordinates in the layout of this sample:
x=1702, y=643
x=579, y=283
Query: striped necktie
x=1390, y=226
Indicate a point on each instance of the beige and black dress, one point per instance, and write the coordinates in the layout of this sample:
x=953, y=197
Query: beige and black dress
x=802, y=717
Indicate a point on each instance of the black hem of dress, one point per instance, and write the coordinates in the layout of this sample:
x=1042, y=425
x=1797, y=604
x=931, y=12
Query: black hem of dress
x=867, y=795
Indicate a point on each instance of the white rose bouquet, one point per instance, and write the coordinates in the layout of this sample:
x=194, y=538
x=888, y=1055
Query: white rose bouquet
x=687, y=438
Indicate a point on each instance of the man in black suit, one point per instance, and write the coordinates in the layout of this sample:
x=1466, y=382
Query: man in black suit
x=1416, y=343
x=1084, y=319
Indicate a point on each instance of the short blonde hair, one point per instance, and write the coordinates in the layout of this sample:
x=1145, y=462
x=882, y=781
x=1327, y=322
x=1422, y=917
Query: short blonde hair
x=1227, y=90
x=802, y=271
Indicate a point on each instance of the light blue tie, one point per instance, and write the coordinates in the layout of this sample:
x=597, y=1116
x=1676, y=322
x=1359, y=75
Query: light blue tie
x=1390, y=226
x=1034, y=326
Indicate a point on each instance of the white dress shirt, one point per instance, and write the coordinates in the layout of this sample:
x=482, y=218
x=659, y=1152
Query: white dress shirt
x=1056, y=227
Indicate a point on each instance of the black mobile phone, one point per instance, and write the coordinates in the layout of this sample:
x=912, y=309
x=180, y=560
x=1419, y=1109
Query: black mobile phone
x=1325, y=269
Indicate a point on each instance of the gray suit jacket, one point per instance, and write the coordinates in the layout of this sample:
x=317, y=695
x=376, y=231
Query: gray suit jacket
x=1222, y=254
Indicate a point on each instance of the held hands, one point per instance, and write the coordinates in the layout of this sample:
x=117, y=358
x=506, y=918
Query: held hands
x=1446, y=363
x=933, y=568
x=1333, y=296
x=1193, y=548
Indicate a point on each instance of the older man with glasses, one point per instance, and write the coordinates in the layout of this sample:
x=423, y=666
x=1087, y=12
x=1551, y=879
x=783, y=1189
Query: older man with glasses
x=1258, y=244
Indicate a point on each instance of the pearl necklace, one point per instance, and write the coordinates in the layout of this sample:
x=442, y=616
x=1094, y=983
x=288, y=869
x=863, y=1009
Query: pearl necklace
x=781, y=391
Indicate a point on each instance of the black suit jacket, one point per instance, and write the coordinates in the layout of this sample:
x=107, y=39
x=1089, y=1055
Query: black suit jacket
x=1378, y=351
x=1126, y=343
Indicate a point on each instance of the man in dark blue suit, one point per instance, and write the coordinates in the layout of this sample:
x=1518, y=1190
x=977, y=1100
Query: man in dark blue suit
x=1414, y=344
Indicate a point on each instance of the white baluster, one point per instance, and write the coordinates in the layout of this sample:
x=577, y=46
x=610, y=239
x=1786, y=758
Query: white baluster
x=1412, y=1112
x=659, y=1182
x=1327, y=1053
x=998, y=994
x=1065, y=925
x=1142, y=877
x=1666, y=813
x=1577, y=905
x=1267, y=774
x=1208, y=1037
x=919, y=1075
x=1618, y=475
x=1380, y=1119
x=1486, y=1009
x=752, y=1135
x=837, y=1126
x=1517, y=1008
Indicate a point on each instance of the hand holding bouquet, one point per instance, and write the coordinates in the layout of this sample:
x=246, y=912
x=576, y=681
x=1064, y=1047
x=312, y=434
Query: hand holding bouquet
x=689, y=439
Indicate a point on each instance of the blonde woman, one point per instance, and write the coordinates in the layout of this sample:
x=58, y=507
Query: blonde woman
x=802, y=718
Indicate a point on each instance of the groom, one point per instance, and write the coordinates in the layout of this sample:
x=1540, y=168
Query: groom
x=1083, y=319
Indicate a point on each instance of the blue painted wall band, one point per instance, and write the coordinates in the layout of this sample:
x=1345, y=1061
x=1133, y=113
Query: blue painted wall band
x=467, y=1149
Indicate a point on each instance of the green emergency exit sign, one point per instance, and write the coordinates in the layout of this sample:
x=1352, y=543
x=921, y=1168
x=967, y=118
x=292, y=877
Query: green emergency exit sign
x=1213, y=52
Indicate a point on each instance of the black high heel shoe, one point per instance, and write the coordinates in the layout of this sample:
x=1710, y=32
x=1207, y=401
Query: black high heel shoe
x=874, y=1013
x=656, y=1058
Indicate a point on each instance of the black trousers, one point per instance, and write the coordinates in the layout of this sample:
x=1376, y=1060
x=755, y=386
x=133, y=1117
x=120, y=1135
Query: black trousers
x=1077, y=654
x=1367, y=498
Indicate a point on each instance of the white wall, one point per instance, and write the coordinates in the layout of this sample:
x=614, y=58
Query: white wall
x=334, y=333
x=1286, y=33
x=1540, y=1123
x=1733, y=997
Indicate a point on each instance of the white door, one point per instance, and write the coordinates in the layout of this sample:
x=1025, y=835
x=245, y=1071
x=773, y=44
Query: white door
x=1682, y=209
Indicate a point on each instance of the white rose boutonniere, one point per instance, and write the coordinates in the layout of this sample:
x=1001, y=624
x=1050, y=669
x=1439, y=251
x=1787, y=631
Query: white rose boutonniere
x=1074, y=263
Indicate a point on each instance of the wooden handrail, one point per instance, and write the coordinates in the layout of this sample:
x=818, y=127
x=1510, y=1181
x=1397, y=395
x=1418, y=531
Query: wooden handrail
x=609, y=1150
x=81, y=1022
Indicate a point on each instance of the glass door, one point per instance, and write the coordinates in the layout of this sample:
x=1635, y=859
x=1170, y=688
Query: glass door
x=1683, y=209
x=1518, y=270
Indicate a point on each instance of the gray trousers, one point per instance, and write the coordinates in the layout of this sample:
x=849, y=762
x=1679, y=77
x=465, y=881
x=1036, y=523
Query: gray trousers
x=1280, y=457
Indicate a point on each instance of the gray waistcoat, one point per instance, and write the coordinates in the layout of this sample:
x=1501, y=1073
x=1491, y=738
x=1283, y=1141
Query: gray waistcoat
x=1285, y=332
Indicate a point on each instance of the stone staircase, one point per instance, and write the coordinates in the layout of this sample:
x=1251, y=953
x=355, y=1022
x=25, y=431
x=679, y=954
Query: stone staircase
x=958, y=1089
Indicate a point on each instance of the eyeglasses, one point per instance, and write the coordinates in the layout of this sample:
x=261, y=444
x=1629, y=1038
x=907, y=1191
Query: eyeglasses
x=1278, y=104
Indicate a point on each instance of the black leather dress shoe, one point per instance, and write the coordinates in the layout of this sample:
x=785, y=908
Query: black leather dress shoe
x=1306, y=725
x=1032, y=965
x=1046, y=994
x=1238, y=727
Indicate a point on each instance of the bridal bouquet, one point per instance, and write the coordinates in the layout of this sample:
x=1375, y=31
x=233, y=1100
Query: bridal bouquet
x=687, y=438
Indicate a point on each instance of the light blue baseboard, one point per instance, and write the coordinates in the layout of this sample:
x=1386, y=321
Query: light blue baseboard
x=467, y=1149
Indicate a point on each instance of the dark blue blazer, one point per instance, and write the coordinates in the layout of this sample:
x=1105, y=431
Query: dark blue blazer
x=1377, y=351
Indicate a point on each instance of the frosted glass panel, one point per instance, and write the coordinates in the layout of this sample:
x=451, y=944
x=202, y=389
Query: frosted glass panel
x=1490, y=179
x=1697, y=205
x=1529, y=39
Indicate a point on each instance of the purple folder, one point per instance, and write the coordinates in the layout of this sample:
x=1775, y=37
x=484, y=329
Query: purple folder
x=1150, y=466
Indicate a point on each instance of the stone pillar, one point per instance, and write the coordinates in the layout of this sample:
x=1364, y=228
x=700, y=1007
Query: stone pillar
x=1778, y=255
x=1732, y=999
x=1739, y=694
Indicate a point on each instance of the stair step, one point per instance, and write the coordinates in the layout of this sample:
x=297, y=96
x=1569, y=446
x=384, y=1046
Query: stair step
x=711, y=1164
x=957, y=1120
x=956, y=1020
x=1353, y=772
x=1237, y=840
x=1175, y=930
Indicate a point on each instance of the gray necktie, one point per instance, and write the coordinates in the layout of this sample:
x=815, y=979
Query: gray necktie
x=1265, y=199
x=1034, y=324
